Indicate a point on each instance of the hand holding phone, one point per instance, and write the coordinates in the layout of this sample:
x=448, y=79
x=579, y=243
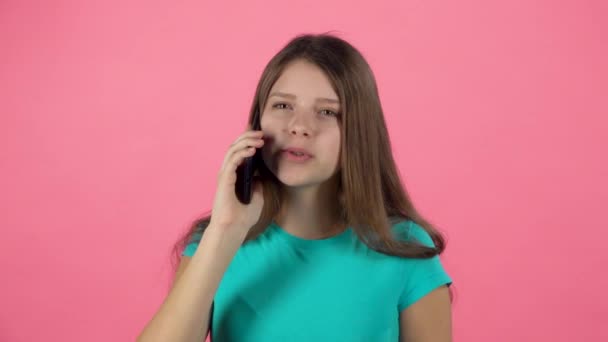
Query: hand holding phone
x=237, y=205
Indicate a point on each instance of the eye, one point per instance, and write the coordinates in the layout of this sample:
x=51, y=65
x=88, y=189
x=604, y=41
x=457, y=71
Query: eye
x=278, y=105
x=332, y=113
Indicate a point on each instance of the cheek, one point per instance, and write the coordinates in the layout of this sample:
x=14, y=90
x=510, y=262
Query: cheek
x=270, y=125
x=333, y=148
x=269, y=145
x=336, y=153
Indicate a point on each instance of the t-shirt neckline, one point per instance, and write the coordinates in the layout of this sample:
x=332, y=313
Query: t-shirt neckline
x=310, y=243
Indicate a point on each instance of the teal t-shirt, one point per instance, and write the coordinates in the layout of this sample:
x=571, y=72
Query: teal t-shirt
x=280, y=287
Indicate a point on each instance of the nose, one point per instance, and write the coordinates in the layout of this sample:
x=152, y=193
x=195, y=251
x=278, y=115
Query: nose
x=299, y=130
x=299, y=125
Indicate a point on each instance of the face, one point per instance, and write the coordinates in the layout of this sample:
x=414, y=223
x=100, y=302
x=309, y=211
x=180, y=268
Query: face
x=302, y=111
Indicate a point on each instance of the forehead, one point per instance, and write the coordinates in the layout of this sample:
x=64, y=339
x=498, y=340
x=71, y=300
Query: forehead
x=304, y=79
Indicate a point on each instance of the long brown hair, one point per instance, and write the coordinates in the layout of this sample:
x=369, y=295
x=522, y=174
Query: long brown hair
x=372, y=195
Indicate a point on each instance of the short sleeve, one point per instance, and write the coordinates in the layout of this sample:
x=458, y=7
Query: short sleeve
x=421, y=276
x=192, y=245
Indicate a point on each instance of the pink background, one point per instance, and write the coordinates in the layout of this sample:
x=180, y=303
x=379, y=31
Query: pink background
x=115, y=117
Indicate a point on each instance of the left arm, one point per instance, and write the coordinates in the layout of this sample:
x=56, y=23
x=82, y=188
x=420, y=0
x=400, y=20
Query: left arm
x=428, y=319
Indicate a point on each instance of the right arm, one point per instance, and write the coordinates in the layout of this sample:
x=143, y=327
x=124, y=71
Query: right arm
x=184, y=315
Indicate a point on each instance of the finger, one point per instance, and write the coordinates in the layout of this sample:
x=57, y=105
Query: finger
x=243, y=144
x=247, y=134
x=237, y=151
x=236, y=160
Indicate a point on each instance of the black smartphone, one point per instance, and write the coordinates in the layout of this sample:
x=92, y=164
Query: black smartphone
x=245, y=171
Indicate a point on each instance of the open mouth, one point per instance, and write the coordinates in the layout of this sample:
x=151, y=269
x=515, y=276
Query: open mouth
x=296, y=156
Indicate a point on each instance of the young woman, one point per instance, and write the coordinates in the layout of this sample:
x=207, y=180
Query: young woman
x=331, y=247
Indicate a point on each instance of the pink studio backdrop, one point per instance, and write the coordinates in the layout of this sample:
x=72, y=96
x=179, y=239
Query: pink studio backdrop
x=115, y=117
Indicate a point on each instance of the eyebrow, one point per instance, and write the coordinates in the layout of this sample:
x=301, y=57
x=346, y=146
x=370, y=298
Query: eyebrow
x=292, y=96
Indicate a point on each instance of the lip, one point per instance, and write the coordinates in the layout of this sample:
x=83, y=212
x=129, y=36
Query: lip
x=295, y=159
x=297, y=149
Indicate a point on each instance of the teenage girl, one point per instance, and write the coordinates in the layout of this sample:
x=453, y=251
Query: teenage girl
x=330, y=248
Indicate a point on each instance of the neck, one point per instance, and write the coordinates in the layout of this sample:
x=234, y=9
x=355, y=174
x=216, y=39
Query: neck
x=311, y=212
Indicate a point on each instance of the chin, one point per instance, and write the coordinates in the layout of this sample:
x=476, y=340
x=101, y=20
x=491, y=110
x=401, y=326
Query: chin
x=294, y=176
x=301, y=180
x=295, y=181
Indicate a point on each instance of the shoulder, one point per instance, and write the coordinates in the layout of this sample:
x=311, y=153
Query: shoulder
x=410, y=231
x=420, y=276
